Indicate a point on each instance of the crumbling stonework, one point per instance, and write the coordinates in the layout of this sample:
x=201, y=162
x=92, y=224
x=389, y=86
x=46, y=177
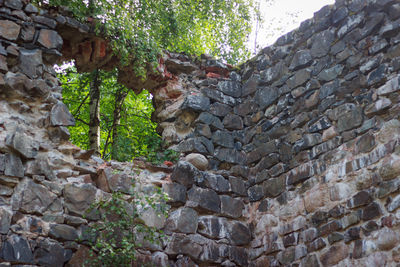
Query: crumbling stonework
x=292, y=159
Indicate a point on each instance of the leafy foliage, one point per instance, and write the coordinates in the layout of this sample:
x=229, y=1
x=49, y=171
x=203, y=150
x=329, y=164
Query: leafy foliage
x=137, y=136
x=157, y=154
x=115, y=235
x=139, y=29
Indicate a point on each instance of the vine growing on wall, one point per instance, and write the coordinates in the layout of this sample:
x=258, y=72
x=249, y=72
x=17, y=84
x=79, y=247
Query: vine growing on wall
x=120, y=231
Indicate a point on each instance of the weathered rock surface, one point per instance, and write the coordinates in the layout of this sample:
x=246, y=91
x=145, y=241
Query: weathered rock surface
x=197, y=160
x=31, y=197
x=16, y=249
x=185, y=173
x=50, y=253
x=5, y=220
x=205, y=199
x=78, y=198
x=9, y=30
x=23, y=144
x=183, y=220
x=60, y=115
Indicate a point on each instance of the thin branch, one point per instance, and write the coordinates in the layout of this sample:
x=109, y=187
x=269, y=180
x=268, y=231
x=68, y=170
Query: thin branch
x=80, y=105
x=67, y=100
x=140, y=116
x=106, y=145
x=72, y=83
x=84, y=122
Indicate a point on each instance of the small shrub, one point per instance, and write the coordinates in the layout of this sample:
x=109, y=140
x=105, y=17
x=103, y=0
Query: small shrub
x=156, y=153
x=115, y=236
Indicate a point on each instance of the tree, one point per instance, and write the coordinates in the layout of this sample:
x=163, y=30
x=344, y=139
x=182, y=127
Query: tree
x=94, y=112
x=120, y=96
x=126, y=130
x=139, y=30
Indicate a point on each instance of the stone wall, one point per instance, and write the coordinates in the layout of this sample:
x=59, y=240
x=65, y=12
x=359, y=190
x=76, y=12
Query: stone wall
x=306, y=136
x=324, y=151
x=292, y=159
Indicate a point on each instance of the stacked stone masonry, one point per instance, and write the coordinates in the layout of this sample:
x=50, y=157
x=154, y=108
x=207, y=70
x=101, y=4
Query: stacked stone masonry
x=293, y=159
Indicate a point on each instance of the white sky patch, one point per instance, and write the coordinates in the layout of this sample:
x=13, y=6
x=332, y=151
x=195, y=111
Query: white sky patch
x=280, y=17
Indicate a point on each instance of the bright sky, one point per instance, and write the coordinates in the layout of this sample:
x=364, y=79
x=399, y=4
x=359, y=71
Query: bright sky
x=282, y=16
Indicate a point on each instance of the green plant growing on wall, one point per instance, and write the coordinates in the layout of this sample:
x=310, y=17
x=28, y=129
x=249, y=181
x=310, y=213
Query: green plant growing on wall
x=115, y=236
x=139, y=30
x=158, y=155
x=118, y=122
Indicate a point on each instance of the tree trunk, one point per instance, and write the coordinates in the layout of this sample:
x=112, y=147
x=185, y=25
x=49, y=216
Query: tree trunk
x=94, y=109
x=119, y=101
